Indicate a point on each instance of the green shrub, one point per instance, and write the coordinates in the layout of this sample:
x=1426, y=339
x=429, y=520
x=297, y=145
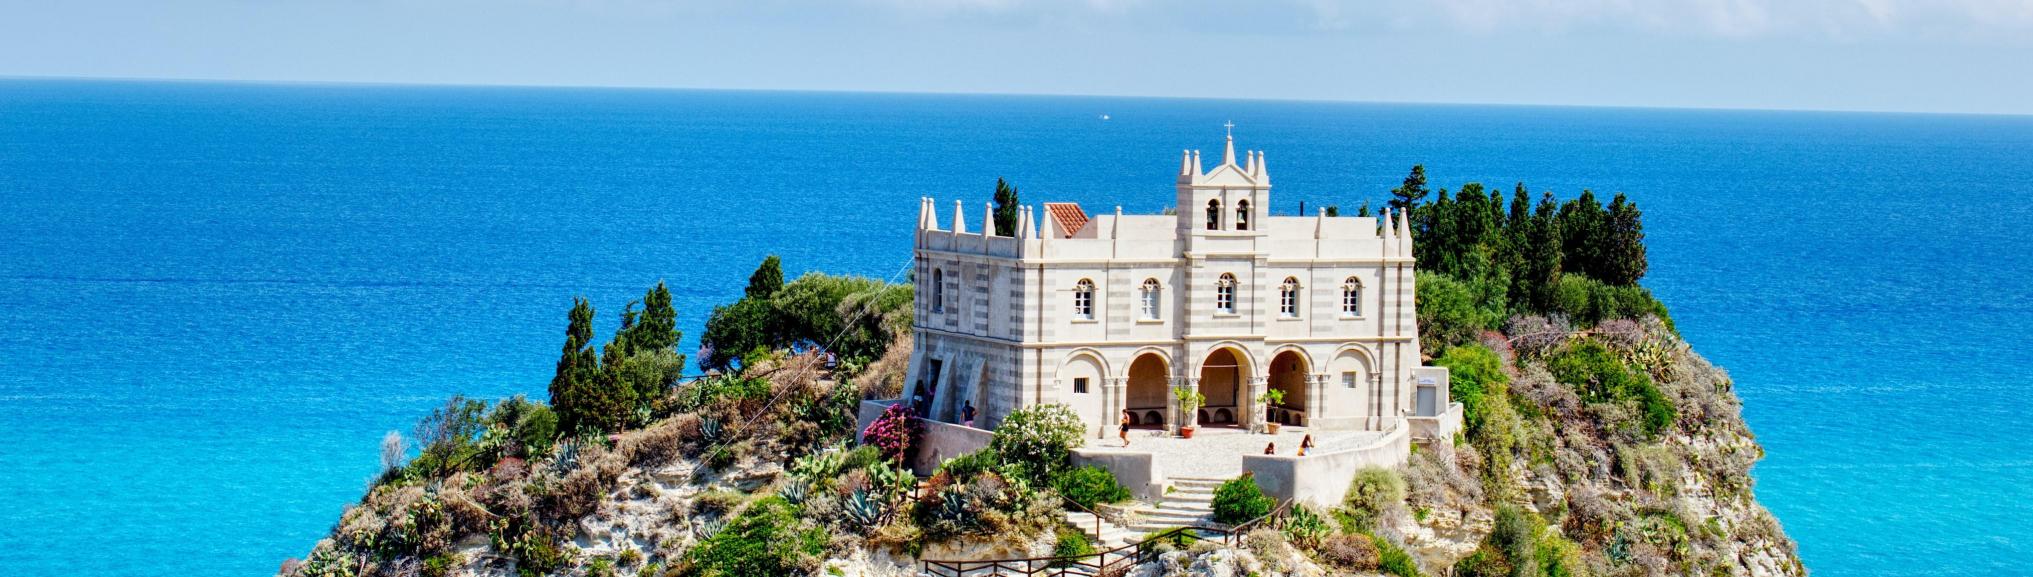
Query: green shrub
x=1476, y=378
x=1598, y=376
x=966, y=466
x=532, y=425
x=766, y=539
x=1240, y=500
x=1373, y=492
x=1089, y=486
x=1072, y=543
x=1039, y=439
x=1451, y=312
x=1559, y=557
x=442, y=564
x=1393, y=560
x=1520, y=545
x=1587, y=301
x=1305, y=528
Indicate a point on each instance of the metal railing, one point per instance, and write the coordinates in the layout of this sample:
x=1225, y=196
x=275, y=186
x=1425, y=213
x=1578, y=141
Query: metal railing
x=1104, y=562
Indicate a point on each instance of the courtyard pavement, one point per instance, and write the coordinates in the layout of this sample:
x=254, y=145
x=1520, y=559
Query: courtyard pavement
x=1216, y=452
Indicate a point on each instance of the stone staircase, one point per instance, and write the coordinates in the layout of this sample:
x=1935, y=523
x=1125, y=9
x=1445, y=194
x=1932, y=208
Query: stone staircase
x=1190, y=503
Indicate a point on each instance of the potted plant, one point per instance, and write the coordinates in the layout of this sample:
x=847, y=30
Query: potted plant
x=1189, y=404
x=1268, y=398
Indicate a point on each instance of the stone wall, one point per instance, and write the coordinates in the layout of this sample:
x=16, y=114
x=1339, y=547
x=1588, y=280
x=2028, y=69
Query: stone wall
x=1137, y=470
x=1322, y=479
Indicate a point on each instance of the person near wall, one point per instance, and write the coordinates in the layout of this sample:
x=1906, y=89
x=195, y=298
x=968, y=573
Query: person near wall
x=1123, y=430
x=1305, y=443
x=967, y=414
x=1271, y=449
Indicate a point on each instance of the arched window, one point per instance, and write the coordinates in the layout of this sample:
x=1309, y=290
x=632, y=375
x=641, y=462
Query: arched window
x=1224, y=294
x=1083, y=300
x=938, y=290
x=1351, y=297
x=1214, y=214
x=1152, y=295
x=1288, y=298
x=1242, y=215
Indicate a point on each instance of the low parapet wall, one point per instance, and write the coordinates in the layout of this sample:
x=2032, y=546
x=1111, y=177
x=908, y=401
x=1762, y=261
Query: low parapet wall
x=1137, y=470
x=937, y=441
x=1322, y=479
x=942, y=441
x=1439, y=428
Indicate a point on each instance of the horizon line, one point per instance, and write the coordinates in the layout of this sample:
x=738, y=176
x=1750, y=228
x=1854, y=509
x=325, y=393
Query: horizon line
x=667, y=88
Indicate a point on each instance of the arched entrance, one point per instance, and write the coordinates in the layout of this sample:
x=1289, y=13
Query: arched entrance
x=1289, y=375
x=1149, y=387
x=1222, y=378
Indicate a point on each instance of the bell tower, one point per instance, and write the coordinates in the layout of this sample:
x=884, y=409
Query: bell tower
x=1227, y=201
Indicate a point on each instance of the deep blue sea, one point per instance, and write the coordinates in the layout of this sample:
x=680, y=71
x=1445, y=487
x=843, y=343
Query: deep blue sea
x=218, y=297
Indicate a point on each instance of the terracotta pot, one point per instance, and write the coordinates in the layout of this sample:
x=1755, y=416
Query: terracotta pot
x=1272, y=427
x=1186, y=432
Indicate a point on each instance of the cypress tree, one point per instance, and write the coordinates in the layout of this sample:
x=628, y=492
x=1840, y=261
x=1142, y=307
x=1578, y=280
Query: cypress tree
x=1623, y=247
x=1006, y=204
x=1581, y=231
x=1539, y=258
x=656, y=328
x=767, y=280
x=578, y=371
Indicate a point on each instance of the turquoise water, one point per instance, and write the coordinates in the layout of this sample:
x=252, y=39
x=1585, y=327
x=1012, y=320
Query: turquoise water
x=219, y=297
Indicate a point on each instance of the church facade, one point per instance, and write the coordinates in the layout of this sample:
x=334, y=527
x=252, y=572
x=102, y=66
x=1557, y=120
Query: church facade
x=1111, y=312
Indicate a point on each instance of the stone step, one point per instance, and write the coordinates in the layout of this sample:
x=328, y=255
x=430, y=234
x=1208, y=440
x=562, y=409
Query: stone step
x=1210, y=484
x=1171, y=518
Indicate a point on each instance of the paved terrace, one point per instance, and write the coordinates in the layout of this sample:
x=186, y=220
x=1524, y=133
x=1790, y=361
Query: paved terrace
x=1216, y=452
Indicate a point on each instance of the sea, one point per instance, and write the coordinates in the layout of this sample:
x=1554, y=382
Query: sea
x=217, y=298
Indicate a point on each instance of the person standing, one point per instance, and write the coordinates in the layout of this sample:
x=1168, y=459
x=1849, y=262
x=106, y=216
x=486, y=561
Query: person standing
x=1123, y=431
x=1305, y=443
x=967, y=414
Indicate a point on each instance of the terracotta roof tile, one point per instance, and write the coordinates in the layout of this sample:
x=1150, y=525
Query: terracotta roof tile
x=1069, y=216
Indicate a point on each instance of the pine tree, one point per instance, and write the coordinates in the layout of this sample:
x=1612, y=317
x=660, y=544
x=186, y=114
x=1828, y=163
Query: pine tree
x=1364, y=210
x=1412, y=192
x=767, y=280
x=1006, y=204
x=1623, y=246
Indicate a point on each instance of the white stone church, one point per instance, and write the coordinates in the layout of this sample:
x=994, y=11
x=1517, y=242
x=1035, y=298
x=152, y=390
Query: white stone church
x=1111, y=312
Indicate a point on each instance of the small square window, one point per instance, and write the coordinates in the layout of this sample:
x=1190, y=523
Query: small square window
x=1348, y=379
x=1080, y=385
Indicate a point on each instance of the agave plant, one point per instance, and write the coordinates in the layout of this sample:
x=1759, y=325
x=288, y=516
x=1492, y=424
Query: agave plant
x=865, y=510
x=566, y=458
x=712, y=431
x=794, y=492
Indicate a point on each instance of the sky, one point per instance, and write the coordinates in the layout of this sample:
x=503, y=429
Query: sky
x=1957, y=56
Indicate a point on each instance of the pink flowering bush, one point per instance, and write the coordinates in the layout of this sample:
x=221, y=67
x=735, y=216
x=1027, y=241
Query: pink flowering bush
x=894, y=433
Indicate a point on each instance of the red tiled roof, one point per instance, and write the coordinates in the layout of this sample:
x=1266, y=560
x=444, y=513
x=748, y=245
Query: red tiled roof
x=1069, y=216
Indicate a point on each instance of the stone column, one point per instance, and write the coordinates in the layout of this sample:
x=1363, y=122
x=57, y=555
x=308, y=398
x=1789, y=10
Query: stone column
x=1113, y=401
x=1253, y=411
x=1316, y=397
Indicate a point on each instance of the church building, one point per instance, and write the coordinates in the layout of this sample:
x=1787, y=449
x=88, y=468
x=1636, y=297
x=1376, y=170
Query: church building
x=1111, y=312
